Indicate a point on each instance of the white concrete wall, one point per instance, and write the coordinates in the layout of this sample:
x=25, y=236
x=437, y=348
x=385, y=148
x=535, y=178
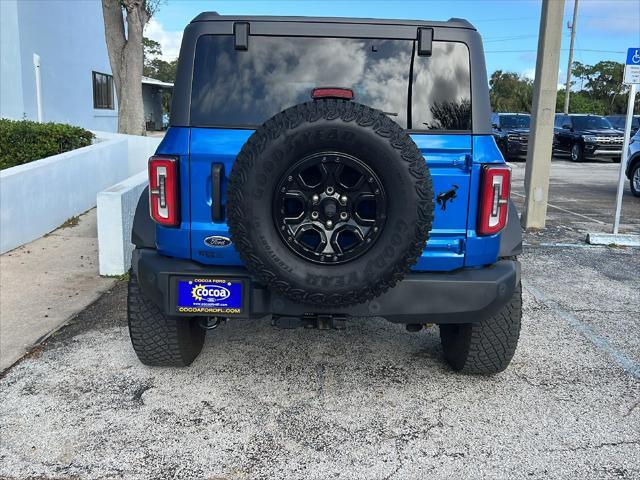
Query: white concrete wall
x=68, y=35
x=139, y=149
x=39, y=196
x=116, y=209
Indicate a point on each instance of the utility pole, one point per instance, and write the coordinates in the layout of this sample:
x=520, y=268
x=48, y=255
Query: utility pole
x=567, y=90
x=545, y=90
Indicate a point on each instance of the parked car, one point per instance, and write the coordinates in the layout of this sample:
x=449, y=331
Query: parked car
x=511, y=131
x=633, y=164
x=292, y=183
x=618, y=121
x=586, y=136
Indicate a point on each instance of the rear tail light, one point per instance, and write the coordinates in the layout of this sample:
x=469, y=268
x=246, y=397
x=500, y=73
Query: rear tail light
x=494, y=199
x=163, y=191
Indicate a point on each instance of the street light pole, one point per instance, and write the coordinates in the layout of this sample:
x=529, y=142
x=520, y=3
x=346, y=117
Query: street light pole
x=567, y=90
x=545, y=90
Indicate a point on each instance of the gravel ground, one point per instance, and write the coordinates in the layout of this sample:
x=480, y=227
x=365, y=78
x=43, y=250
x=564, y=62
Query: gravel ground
x=370, y=402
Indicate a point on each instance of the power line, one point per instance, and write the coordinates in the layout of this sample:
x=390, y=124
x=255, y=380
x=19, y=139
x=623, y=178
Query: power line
x=514, y=37
x=503, y=39
x=562, y=50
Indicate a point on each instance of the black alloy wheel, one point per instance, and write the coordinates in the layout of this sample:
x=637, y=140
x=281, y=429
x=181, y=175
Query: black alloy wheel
x=330, y=207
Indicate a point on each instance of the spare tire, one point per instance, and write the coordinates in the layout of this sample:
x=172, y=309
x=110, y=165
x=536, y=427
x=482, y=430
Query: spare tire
x=329, y=203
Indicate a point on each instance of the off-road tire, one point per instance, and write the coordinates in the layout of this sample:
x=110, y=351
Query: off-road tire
x=157, y=339
x=340, y=126
x=486, y=347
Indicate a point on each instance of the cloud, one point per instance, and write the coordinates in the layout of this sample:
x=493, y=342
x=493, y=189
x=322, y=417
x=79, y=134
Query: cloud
x=530, y=73
x=169, y=41
x=618, y=17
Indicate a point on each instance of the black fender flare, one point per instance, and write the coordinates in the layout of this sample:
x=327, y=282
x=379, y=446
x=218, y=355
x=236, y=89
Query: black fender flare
x=143, y=233
x=511, y=237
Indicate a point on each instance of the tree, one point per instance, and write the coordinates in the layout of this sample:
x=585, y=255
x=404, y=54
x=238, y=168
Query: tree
x=150, y=49
x=126, y=57
x=580, y=102
x=602, y=81
x=159, y=69
x=510, y=92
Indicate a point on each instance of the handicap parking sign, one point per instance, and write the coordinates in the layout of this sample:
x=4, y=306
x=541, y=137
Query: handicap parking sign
x=632, y=67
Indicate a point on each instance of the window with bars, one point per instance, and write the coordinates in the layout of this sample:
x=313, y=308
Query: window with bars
x=102, y=91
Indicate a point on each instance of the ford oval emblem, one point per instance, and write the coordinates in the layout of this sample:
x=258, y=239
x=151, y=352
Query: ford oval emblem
x=217, y=241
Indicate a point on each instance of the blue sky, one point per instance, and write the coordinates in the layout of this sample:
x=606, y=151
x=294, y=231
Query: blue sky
x=605, y=28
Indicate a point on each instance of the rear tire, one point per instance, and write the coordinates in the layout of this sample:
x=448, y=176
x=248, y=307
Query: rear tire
x=157, y=339
x=487, y=347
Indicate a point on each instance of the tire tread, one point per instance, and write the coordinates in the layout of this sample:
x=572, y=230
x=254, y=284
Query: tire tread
x=365, y=117
x=157, y=339
x=486, y=347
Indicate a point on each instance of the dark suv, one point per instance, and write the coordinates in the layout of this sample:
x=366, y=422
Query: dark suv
x=322, y=169
x=586, y=136
x=511, y=131
x=618, y=121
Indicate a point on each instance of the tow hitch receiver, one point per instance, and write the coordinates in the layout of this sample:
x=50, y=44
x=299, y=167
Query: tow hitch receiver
x=321, y=322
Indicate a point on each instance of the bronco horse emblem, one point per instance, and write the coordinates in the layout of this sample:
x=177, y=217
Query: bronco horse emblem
x=444, y=197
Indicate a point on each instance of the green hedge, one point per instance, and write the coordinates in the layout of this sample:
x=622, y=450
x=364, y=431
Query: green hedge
x=23, y=141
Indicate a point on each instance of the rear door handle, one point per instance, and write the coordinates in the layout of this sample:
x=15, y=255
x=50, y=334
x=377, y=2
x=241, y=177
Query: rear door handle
x=217, y=211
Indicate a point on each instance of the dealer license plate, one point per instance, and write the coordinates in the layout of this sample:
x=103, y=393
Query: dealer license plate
x=215, y=296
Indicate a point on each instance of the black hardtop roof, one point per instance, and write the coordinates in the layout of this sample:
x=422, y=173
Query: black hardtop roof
x=215, y=17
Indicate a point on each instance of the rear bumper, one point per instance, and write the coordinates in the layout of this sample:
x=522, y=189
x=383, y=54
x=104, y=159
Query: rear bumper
x=463, y=296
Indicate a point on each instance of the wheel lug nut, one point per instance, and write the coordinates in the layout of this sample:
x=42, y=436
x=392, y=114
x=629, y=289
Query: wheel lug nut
x=343, y=215
x=329, y=190
x=329, y=224
x=314, y=215
x=315, y=198
x=343, y=199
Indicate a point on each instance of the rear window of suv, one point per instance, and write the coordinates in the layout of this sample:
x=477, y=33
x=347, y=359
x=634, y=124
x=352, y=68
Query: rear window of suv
x=235, y=88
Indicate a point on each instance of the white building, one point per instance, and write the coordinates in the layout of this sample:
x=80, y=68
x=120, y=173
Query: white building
x=55, y=67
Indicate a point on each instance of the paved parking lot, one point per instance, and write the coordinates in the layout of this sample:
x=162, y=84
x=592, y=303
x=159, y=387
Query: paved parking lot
x=370, y=402
x=582, y=199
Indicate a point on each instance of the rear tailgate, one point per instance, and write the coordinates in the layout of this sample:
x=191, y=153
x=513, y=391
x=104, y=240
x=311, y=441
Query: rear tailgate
x=448, y=157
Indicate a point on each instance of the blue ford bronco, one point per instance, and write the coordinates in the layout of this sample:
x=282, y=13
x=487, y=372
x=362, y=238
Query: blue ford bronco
x=318, y=169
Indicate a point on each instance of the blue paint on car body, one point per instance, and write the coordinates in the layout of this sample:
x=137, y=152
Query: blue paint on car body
x=453, y=160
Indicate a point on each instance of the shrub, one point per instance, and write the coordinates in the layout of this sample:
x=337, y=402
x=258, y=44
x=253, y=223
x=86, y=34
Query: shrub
x=23, y=141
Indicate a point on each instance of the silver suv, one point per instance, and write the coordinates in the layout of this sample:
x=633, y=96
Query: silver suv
x=633, y=164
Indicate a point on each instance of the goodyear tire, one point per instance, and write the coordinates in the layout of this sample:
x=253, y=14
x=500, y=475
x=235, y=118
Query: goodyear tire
x=157, y=339
x=486, y=347
x=360, y=139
